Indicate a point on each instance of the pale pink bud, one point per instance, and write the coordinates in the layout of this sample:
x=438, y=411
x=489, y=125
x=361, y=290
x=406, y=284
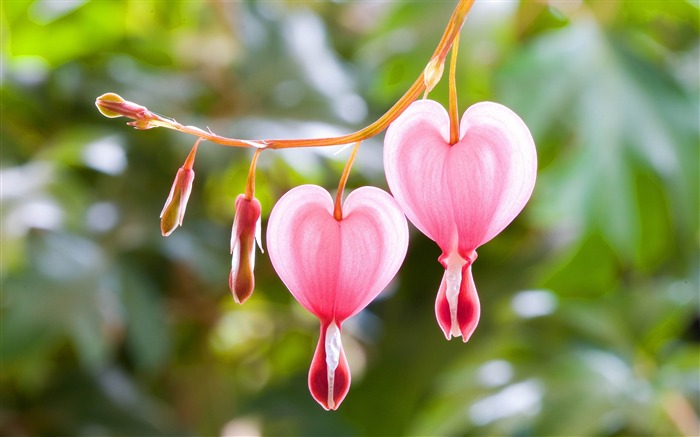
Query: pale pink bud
x=174, y=210
x=246, y=231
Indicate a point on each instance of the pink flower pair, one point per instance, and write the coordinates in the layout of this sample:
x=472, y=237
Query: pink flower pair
x=459, y=195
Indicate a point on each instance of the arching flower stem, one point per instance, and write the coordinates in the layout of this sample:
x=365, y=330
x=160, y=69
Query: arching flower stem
x=112, y=105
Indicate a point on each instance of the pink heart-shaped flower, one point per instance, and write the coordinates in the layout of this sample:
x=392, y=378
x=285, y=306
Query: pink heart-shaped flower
x=335, y=268
x=460, y=195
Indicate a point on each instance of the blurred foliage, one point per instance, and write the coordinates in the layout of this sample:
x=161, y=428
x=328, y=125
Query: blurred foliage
x=591, y=321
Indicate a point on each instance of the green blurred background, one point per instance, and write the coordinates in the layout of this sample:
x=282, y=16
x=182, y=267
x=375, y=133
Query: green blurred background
x=590, y=308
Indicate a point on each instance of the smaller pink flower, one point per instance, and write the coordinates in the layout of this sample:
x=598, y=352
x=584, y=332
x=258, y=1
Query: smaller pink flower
x=246, y=231
x=335, y=268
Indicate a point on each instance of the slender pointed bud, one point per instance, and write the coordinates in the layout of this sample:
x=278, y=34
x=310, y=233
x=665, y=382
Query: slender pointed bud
x=113, y=105
x=329, y=376
x=174, y=209
x=457, y=304
x=246, y=231
x=433, y=73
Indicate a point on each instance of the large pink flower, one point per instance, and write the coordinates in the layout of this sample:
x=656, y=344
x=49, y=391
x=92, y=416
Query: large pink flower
x=460, y=195
x=335, y=268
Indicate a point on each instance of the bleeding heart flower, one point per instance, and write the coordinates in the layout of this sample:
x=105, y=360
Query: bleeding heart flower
x=335, y=268
x=460, y=195
x=246, y=231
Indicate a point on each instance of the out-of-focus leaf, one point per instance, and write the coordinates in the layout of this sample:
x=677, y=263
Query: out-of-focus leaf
x=35, y=33
x=147, y=328
x=69, y=297
x=625, y=117
x=589, y=270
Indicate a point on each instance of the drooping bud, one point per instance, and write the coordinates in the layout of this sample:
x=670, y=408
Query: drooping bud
x=246, y=231
x=174, y=209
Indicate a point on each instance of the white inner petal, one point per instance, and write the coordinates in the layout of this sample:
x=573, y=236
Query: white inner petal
x=235, y=263
x=333, y=348
x=258, y=234
x=453, y=280
x=234, y=236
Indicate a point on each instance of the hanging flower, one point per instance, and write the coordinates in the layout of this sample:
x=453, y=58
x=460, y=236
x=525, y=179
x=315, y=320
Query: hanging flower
x=459, y=195
x=246, y=231
x=335, y=267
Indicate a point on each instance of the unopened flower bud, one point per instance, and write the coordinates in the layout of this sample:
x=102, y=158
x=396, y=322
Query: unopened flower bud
x=113, y=105
x=246, y=230
x=174, y=210
x=433, y=73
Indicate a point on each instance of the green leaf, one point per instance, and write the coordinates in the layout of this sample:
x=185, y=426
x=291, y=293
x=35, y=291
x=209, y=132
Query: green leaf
x=66, y=37
x=147, y=329
x=625, y=117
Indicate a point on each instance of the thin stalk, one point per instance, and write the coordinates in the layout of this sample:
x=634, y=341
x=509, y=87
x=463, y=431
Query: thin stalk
x=250, y=183
x=338, y=212
x=189, y=161
x=453, y=108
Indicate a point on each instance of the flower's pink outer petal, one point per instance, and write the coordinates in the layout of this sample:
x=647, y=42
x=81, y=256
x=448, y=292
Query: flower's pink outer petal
x=334, y=269
x=374, y=241
x=320, y=379
x=415, y=151
x=464, y=193
x=502, y=164
x=300, y=225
